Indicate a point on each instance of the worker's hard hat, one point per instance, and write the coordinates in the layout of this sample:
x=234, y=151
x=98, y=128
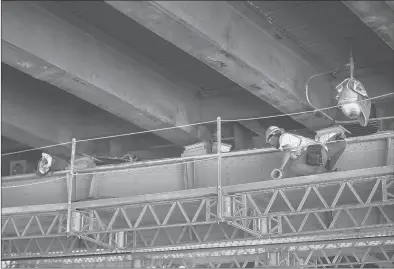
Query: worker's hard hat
x=272, y=130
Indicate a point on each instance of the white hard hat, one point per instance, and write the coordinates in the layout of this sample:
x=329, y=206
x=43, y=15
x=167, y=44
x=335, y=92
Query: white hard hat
x=272, y=130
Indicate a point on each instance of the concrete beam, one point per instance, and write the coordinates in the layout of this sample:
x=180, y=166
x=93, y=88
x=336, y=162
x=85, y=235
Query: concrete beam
x=254, y=126
x=38, y=114
x=229, y=41
x=235, y=106
x=44, y=111
x=61, y=154
x=95, y=68
x=378, y=15
x=391, y=4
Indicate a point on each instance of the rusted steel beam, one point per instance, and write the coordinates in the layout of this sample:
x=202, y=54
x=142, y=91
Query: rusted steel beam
x=378, y=15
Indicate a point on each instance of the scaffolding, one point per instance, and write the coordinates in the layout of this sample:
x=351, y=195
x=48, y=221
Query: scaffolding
x=334, y=219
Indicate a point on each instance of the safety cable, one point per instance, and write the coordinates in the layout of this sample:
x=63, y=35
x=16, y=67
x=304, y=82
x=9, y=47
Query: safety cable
x=194, y=124
x=44, y=147
x=304, y=112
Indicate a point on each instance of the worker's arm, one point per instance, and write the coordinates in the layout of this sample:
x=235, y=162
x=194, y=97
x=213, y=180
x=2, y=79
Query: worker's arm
x=286, y=160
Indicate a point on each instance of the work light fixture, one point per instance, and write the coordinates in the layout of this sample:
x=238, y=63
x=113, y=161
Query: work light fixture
x=352, y=98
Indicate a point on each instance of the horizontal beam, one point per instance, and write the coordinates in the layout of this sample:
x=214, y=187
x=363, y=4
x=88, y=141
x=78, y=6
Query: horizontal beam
x=211, y=191
x=223, y=36
x=254, y=126
x=336, y=229
x=237, y=247
x=33, y=139
x=378, y=15
x=48, y=115
x=352, y=140
x=96, y=68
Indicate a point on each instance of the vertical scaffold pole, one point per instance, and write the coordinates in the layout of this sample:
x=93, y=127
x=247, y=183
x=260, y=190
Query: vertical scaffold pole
x=219, y=152
x=388, y=153
x=70, y=178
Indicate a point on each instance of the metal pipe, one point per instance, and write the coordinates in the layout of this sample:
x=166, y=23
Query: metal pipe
x=76, y=221
x=389, y=151
x=227, y=206
x=351, y=63
x=273, y=258
x=219, y=152
x=70, y=185
x=120, y=239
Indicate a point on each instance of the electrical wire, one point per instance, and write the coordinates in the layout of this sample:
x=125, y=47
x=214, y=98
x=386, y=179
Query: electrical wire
x=355, y=121
x=194, y=124
x=147, y=131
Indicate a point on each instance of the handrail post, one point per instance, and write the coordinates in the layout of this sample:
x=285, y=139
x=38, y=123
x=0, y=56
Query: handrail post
x=219, y=184
x=70, y=178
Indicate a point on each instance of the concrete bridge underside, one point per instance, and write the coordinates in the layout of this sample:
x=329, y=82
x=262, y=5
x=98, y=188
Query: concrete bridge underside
x=67, y=73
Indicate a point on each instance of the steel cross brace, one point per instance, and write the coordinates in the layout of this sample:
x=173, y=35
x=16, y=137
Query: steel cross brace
x=196, y=218
x=289, y=210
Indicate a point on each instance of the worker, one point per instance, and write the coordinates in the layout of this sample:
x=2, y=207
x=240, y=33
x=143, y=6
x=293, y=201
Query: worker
x=304, y=156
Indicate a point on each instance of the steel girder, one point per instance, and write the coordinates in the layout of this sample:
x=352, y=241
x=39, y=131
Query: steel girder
x=365, y=198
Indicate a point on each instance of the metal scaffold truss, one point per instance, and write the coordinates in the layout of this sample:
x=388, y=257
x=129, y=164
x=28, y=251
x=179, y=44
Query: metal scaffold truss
x=257, y=215
x=327, y=220
x=351, y=254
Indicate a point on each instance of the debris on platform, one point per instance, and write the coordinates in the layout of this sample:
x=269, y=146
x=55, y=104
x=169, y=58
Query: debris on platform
x=201, y=148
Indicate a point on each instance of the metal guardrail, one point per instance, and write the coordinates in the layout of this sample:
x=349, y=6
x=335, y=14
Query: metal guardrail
x=371, y=190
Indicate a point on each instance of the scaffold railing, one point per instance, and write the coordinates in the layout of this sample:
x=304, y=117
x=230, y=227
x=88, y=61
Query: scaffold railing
x=281, y=222
x=318, y=254
x=363, y=202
